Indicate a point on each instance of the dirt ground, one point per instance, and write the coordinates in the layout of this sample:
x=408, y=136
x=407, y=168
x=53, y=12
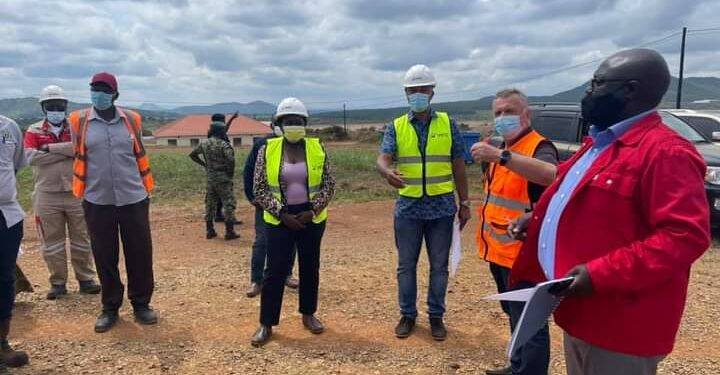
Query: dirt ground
x=206, y=321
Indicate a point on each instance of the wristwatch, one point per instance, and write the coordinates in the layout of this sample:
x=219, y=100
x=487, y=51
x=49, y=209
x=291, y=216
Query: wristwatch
x=465, y=203
x=505, y=157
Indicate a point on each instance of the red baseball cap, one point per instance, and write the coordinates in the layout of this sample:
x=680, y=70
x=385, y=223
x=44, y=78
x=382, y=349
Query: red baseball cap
x=106, y=78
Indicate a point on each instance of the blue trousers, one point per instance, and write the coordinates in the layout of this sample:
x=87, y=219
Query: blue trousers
x=533, y=358
x=9, y=246
x=258, y=263
x=409, y=235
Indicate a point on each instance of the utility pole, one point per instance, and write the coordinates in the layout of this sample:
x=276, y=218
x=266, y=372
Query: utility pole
x=344, y=119
x=678, y=102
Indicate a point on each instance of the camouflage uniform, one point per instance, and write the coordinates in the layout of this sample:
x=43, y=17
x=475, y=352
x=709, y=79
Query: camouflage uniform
x=220, y=166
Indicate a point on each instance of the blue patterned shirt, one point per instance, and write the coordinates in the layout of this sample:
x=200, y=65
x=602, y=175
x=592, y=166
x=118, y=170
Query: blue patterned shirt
x=426, y=207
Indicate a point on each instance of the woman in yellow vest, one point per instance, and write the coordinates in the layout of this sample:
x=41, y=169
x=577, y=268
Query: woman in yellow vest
x=293, y=186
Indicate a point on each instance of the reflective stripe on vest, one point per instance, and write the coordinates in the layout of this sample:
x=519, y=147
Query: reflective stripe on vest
x=79, y=124
x=429, y=173
x=315, y=162
x=507, y=198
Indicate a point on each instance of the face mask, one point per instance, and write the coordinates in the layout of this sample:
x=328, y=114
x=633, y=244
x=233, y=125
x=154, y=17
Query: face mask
x=294, y=133
x=101, y=100
x=55, y=117
x=507, y=124
x=418, y=102
x=604, y=110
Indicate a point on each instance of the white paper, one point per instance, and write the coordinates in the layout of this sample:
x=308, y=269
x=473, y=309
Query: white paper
x=521, y=295
x=455, y=248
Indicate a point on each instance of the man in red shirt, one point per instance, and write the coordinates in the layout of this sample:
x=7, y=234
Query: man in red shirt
x=627, y=216
x=50, y=153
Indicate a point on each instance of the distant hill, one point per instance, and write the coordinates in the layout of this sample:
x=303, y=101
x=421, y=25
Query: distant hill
x=252, y=108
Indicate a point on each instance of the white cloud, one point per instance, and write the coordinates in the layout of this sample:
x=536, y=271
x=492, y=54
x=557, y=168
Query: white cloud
x=329, y=51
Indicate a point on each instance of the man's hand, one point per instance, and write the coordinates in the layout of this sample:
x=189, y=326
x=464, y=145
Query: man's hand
x=483, y=151
x=464, y=216
x=393, y=177
x=582, y=285
x=517, y=229
x=305, y=217
x=44, y=148
x=291, y=222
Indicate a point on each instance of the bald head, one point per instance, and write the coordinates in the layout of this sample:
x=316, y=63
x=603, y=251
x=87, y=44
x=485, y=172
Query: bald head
x=645, y=69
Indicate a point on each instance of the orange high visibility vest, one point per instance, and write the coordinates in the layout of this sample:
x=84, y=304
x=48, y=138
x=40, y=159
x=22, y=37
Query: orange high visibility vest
x=79, y=124
x=507, y=198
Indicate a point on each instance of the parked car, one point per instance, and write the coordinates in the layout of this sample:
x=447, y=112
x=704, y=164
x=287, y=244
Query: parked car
x=564, y=126
x=706, y=122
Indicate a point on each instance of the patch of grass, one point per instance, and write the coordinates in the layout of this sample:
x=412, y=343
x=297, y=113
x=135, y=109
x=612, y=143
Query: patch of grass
x=178, y=179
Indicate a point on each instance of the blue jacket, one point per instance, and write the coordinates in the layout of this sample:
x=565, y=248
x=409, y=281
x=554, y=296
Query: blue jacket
x=249, y=170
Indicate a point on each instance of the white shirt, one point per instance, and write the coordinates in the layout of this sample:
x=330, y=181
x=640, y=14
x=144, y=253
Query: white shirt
x=12, y=158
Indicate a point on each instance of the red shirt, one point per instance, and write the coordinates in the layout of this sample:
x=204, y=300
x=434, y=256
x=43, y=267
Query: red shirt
x=42, y=135
x=638, y=237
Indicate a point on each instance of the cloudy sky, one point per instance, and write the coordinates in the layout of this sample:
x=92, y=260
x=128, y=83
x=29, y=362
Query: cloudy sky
x=326, y=52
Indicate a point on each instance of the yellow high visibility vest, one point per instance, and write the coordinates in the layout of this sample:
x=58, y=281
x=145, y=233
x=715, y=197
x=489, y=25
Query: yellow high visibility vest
x=315, y=162
x=429, y=173
x=507, y=199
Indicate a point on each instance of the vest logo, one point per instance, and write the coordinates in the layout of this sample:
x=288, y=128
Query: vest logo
x=440, y=135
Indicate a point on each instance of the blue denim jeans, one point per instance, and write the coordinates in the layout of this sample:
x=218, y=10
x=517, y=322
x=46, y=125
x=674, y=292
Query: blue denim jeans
x=258, y=262
x=409, y=234
x=9, y=246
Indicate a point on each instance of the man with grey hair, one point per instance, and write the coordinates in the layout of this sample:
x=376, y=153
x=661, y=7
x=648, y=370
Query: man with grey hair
x=516, y=176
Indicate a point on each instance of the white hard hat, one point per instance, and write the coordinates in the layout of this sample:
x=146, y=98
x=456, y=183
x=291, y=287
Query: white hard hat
x=291, y=106
x=419, y=75
x=52, y=92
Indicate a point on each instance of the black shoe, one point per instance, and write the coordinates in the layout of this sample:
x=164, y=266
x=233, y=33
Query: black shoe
x=261, y=336
x=437, y=329
x=56, y=291
x=145, y=315
x=105, y=321
x=230, y=231
x=253, y=290
x=292, y=283
x=210, y=230
x=90, y=287
x=312, y=324
x=404, y=327
x=500, y=371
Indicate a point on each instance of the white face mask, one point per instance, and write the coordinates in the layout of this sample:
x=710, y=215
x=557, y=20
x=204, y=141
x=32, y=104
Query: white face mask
x=55, y=117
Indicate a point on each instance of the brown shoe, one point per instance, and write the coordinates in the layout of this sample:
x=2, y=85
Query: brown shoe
x=8, y=356
x=253, y=290
x=292, y=283
x=313, y=324
x=261, y=336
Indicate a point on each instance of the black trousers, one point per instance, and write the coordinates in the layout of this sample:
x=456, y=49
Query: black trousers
x=9, y=245
x=281, y=243
x=132, y=224
x=533, y=358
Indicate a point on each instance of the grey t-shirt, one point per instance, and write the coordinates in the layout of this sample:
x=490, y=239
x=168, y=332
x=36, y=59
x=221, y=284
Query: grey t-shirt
x=113, y=177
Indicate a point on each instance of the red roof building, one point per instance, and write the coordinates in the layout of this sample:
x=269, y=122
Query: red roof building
x=191, y=129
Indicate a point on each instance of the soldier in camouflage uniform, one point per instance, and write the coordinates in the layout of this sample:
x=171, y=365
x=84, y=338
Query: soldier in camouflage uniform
x=219, y=162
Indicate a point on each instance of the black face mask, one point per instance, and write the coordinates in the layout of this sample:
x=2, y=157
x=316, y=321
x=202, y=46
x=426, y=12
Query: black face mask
x=603, y=110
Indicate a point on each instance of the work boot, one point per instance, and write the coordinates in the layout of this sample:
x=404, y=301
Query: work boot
x=261, y=336
x=253, y=290
x=90, y=287
x=145, y=315
x=230, y=231
x=8, y=356
x=105, y=321
x=312, y=324
x=437, y=329
x=210, y=227
x=292, y=283
x=56, y=291
x=404, y=327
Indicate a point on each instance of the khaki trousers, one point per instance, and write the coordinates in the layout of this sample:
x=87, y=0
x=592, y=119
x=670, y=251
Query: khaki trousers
x=582, y=358
x=54, y=214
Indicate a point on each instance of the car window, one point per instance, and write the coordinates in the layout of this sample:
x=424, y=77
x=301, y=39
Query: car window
x=562, y=128
x=705, y=125
x=682, y=127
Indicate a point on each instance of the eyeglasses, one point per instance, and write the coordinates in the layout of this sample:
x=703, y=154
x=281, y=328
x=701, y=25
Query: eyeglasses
x=595, y=82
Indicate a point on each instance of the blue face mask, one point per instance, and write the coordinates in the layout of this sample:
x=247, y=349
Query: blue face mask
x=101, y=100
x=506, y=125
x=418, y=102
